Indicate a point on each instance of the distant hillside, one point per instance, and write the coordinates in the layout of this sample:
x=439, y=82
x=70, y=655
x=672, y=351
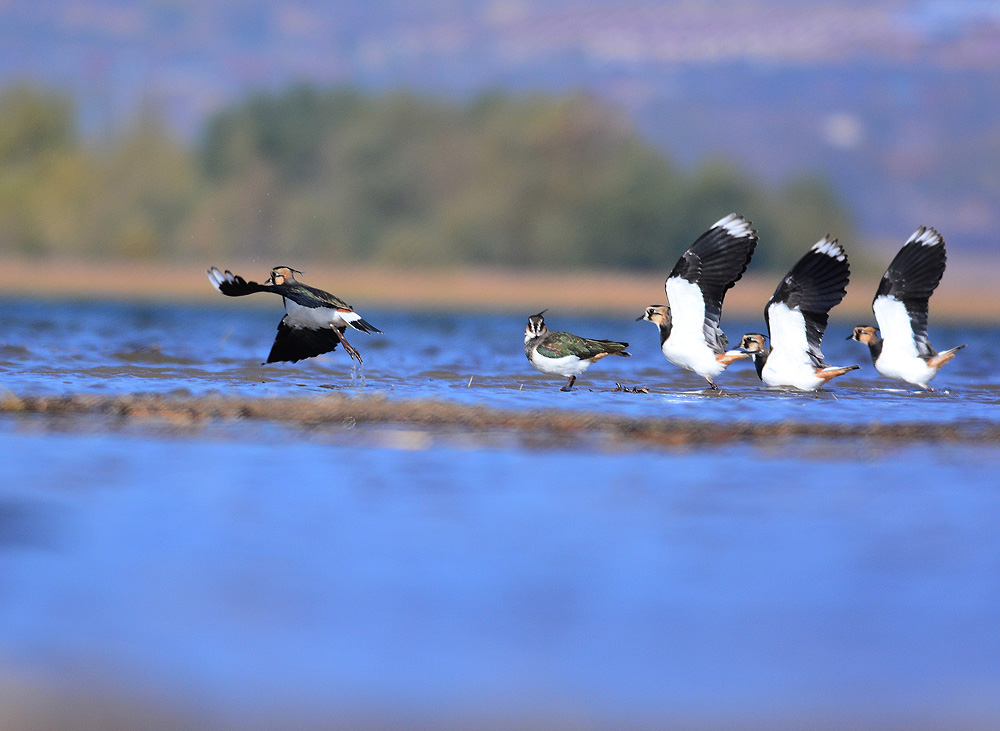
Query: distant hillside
x=342, y=175
x=896, y=101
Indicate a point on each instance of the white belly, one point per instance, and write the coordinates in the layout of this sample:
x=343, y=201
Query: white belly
x=686, y=346
x=904, y=367
x=315, y=317
x=567, y=365
x=692, y=354
x=788, y=370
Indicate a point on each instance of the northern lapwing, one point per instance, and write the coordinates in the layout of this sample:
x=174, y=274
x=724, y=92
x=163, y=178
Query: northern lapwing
x=796, y=317
x=314, y=321
x=562, y=353
x=902, y=351
x=690, y=335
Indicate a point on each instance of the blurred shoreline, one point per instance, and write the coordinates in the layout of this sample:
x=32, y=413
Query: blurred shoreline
x=417, y=421
x=968, y=292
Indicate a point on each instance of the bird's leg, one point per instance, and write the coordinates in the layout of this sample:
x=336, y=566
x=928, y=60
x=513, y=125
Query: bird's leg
x=569, y=385
x=712, y=384
x=347, y=346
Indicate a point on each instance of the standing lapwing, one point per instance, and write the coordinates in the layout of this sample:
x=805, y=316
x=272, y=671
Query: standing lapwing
x=796, y=317
x=564, y=354
x=314, y=321
x=903, y=351
x=690, y=335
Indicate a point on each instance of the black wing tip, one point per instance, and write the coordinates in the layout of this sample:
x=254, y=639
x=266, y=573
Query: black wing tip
x=817, y=282
x=719, y=257
x=926, y=236
x=829, y=246
x=737, y=226
x=739, y=229
x=917, y=268
x=232, y=285
x=215, y=277
x=924, y=248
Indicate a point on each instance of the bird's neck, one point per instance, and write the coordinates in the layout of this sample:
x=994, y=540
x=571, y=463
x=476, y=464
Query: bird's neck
x=665, y=328
x=875, y=346
x=531, y=342
x=759, y=359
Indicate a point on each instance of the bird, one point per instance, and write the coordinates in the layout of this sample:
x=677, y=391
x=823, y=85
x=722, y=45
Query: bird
x=562, y=353
x=314, y=321
x=690, y=335
x=902, y=351
x=796, y=317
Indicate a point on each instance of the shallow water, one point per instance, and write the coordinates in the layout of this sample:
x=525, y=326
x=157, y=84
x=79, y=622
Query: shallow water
x=246, y=573
x=51, y=348
x=253, y=573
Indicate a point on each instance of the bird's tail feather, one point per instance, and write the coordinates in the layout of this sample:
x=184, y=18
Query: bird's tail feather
x=364, y=326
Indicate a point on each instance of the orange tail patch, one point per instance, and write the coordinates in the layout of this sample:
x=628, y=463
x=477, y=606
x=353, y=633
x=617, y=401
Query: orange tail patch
x=602, y=355
x=941, y=358
x=729, y=357
x=829, y=373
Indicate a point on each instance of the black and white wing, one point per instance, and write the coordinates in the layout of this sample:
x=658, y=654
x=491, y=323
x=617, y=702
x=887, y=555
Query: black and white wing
x=297, y=343
x=798, y=311
x=233, y=285
x=901, y=301
x=703, y=275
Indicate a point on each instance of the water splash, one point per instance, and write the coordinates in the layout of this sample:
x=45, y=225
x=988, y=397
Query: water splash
x=357, y=374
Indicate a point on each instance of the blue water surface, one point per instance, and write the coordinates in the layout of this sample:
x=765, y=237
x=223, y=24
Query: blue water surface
x=60, y=347
x=259, y=575
x=249, y=573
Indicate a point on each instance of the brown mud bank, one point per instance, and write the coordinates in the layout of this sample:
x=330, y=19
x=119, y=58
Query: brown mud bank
x=540, y=427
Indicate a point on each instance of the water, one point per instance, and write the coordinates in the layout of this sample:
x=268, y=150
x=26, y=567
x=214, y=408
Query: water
x=260, y=574
x=54, y=348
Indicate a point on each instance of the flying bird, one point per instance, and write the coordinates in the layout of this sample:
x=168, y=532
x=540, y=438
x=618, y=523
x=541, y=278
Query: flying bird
x=690, y=333
x=796, y=318
x=314, y=321
x=902, y=350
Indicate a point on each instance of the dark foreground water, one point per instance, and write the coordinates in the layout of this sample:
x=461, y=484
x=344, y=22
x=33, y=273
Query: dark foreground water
x=256, y=574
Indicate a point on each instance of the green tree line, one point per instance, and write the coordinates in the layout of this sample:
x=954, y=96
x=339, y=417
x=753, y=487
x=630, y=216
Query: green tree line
x=339, y=174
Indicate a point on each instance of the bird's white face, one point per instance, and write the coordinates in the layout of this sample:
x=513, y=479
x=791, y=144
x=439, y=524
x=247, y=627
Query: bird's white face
x=863, y=334
x=535, y=328
x=656, y=314
x=752, y=342
x=281, y=275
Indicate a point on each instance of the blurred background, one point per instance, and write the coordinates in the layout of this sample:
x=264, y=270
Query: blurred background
x=450, y=167
x=553, y=135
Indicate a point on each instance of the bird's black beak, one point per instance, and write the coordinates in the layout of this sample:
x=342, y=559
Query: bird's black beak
x=851, y=336
x=640, y=317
